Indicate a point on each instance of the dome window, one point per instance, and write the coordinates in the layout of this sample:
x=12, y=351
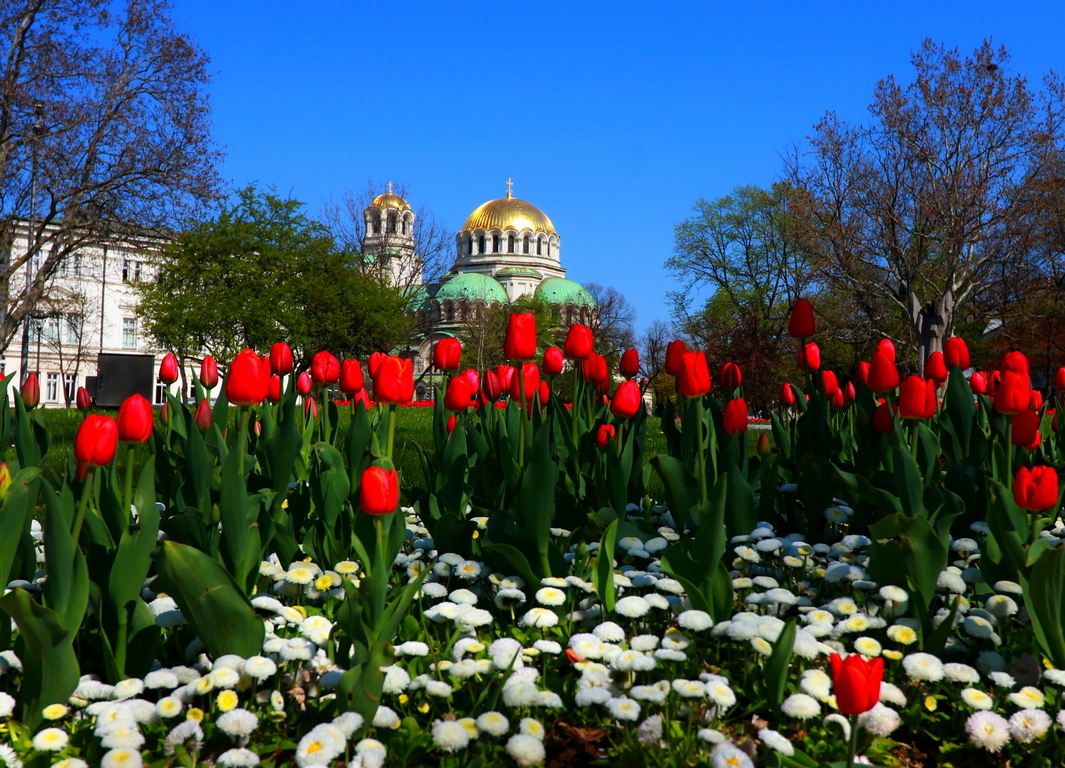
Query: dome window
x=525, y=245
x=510, y=244
x=376, y=218
x=480, y=244
x=391, y=223
x=496, y=243
x=539, y=246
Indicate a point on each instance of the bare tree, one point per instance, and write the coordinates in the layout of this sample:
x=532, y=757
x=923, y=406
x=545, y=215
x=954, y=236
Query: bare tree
x=612, y=322
x=922, y=207
x=434, y=243
x=65, y=323
x=104, y=134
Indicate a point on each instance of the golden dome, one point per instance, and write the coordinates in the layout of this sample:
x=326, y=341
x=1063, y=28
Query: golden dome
x=508, y=213
x=388, y=200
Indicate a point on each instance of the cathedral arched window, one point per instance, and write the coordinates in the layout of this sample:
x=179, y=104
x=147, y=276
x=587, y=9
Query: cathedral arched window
x=539, y=246
x=496, y=243
x=525, y=244
x=510, y=244
x=480, y=244
x=391, y=223
x=469, y=245
x=376, y=222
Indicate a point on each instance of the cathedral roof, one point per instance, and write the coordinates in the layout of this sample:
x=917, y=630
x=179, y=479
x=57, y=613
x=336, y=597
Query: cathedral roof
x=388, y=200
x=562, y=291
x=508, y=213
x=471, y=286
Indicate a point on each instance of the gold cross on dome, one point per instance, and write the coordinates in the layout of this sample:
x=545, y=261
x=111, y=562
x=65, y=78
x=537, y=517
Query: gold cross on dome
x=510, y=188
x=390, y=187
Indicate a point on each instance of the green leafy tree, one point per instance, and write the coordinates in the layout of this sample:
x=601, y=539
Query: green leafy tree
x=482, y=336
x=261, y=272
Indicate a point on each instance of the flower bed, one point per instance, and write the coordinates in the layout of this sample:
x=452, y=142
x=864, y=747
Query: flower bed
x=264, y=602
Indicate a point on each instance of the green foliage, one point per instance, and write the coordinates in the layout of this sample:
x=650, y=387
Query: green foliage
x=260, y=272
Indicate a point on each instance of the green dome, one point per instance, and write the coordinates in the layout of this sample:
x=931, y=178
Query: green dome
x=559, y=290
x=471, y=286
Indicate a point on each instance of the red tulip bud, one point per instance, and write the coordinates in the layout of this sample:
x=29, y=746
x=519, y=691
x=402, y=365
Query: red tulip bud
x=544, y=393
x=863, y=372
x=394, y=382
x=787, y=396
x=552, y=361
x=1013, y=394
x=96, y=440
x=490, y=386
x=935, y=368
x=1059, y=380
x=801, y=323
x=304, y=384
x=856, y=682
x=883, y=375
x=31, y=391
x=579, y=342
x=273, y=394
x=310, y=408
x=604, y=435
x=520, y=340
x=379, y=491
x=887, y=346
x=208, y=372
x=735, y=416
x=135, y=420
x=249, y=379
x=629, y=366
x=168, y=369
x=693, y=380
x=730, y=376
x=882, y=420
x=1016, y=362
x=1025, y=431
x=810, y=357
x=458, y=395
x=351, y=379
x=917, y=398
x=325, y=368
x=763, y=448
x=531, y=374
x=627, y=400
x=451, y=423
x=978, y=383
x=955, y=352
x=595, y=369
x=280, y=358
x=829, y=383
x=675, y=357
x=84, y=401
x=446, y=354
x=849, y=392
x=1036, y=488
x=203, y=416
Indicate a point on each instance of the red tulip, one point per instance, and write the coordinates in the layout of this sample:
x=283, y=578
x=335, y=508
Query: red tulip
x=955, y=352
x=856, y=682
x=978, y=383
x=280, y=358
x=579, y=342
x=249, y=379
x=310, y=408
x=1037, y=400
x=917, y=398
x=887, y=346
x=1059, y=380
x=629, y=366
x=787, y=396
x=1025, y=431
x=595, y=369
x=837, y=398
x=810, y=357
x=83, y=400
x=351, y=378
x=544, y=392
x=168, y=369
x=203, y=416
x=473, y=379
x=694, y=377
x=490, y=386
x=96, y=440
x=506, y=375
x=304, y=384
x=379, y=490
x=882, y=419
x=762, y=447
x=801, y=323
x=520, y=340
x=849, y=392
x=1016, y=362
x=1013, y=394
x=735, y=417
x=394, y=382
x=451, y=422
x=627, y=399
x=458, y=394
x=135, y=420
x=325, y=368
x=531, y=374
x=552, y=361
x=829, y=383
x=863, y=372
x=164, y=414
x=31, y=391
x=883, y=375
x=446, y=354
x=373, y=362
x=730, y=376
x=208, y=372
x=935, y=368
x=604, y=435
x=675, y=357
x=1036, y=488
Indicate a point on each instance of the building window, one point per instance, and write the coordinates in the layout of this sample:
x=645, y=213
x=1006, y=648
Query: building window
x=391, y=227
x=129, y=333
x=480, y=244
x=51, y=387
x=525, y=244
x=539, y=247
x=73, y=329
x=510, y=244
x=131, y=271
x=52, y=327
x=69, y=387
x=496, y=242
x=160, y=393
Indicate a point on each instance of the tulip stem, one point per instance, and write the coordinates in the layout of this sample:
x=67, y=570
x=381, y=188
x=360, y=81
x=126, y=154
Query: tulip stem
x=852, y=747
x=701, y=449
x=83, y=503
x=391, y=430
x=1009, y=454
x=242, y=437
x=127, y=493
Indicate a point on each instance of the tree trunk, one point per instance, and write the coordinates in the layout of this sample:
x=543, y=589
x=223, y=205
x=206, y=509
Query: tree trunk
x=931, y=324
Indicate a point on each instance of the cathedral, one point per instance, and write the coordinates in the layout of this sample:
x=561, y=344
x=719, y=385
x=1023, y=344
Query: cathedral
x=507, y=248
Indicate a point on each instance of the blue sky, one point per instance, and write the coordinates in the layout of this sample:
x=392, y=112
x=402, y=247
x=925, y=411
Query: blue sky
x=613, y=118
